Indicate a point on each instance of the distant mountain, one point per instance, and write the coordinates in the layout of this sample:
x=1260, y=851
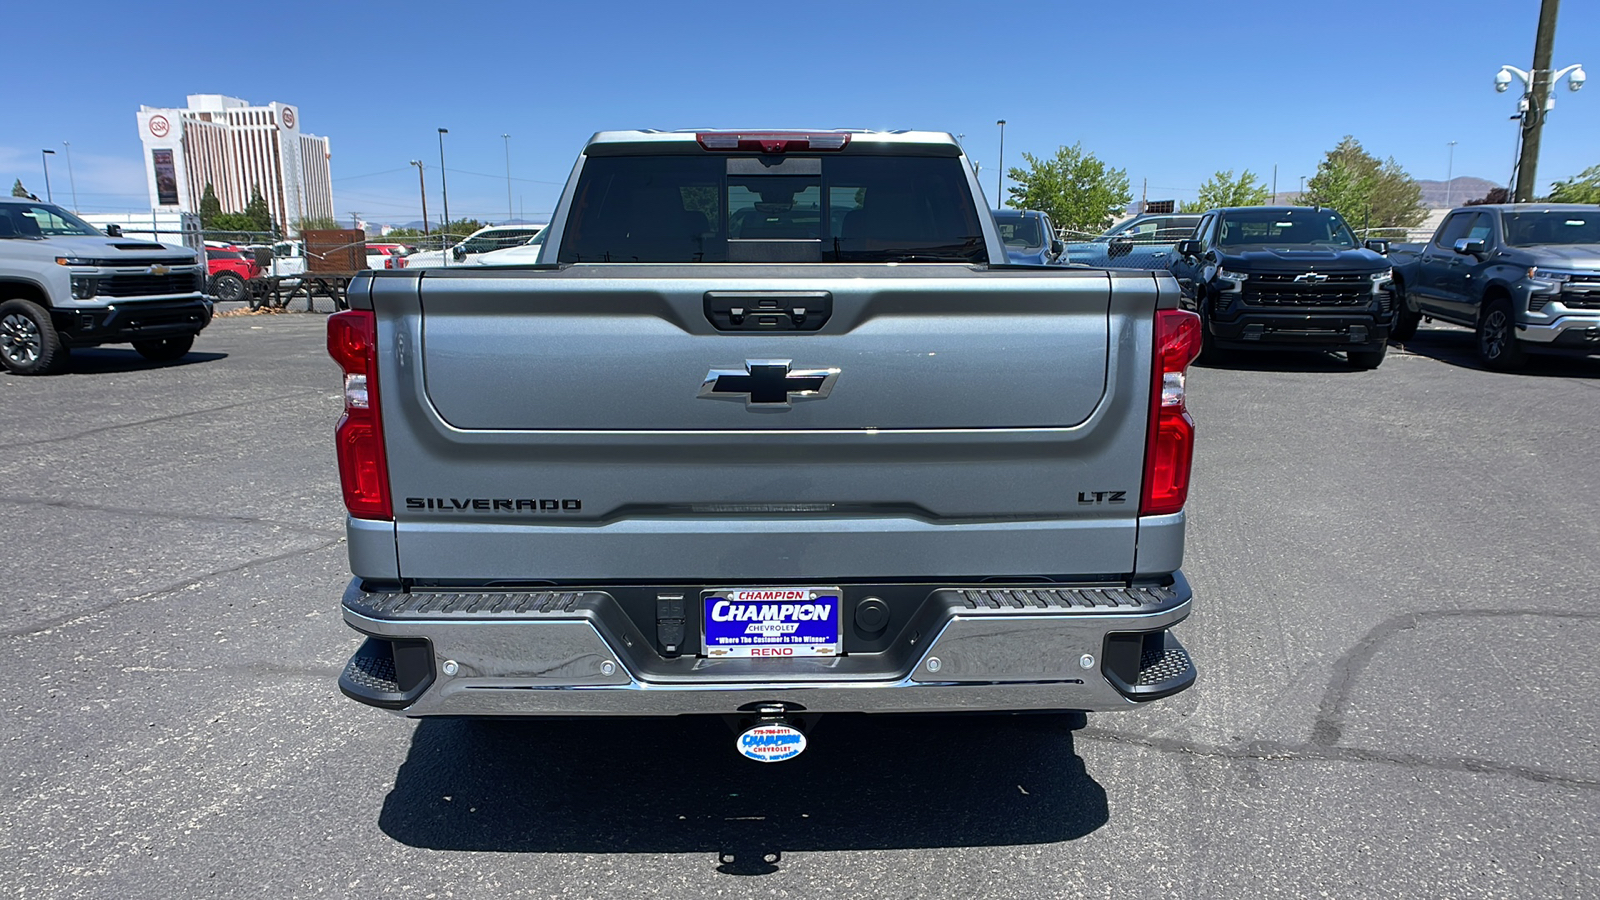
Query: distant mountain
x=1461, y=189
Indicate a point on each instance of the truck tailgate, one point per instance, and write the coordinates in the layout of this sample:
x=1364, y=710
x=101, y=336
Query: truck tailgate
x=553, y=425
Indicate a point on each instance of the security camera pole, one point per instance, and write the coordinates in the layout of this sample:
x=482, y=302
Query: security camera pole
x=1537, y=102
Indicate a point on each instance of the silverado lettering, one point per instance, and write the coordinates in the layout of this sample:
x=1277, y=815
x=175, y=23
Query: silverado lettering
x=494, y=504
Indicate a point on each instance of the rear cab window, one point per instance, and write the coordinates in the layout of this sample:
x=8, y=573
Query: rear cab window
x=1020, y=231
x=744, y=207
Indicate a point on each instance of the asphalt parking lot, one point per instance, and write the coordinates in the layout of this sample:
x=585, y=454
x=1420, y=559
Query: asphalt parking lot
x=1396, y=575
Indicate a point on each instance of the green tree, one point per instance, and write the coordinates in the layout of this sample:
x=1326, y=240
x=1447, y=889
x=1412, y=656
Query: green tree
x=459, y=229
x=210, y=206
x=1495, y=195
x=17, y=190
x=1075, y=188
x=316, y=223
x=1369, y=193
x=259, y=213
x=1222, y=189
x=1581, y=188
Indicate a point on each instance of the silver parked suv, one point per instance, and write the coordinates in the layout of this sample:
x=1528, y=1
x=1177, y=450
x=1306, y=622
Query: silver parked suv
x=65, y=284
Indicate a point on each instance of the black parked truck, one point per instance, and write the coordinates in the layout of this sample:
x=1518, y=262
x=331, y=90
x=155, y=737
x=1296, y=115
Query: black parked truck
x=1287, y=277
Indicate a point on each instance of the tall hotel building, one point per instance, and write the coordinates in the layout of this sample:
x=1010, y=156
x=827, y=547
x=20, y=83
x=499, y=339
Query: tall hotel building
x=233, y=146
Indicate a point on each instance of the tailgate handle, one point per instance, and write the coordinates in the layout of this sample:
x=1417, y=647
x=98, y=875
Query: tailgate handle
x=744, y=311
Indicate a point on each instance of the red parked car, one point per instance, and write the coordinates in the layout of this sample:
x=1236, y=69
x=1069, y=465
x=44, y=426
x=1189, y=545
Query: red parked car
x=231, y=270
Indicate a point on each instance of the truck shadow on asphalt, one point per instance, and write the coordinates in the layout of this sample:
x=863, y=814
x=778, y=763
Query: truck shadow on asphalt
x=110, y=361
x=678, y=786
x=1278, y=361
x=1459, y=347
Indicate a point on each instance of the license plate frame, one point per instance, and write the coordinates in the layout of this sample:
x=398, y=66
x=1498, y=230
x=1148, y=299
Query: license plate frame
x=745, y=629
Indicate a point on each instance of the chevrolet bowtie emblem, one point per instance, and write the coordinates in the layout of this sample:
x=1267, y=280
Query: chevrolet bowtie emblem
x=768, y=384
x=159, y=269
x=1311, y=277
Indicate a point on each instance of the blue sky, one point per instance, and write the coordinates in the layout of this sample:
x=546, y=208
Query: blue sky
x=1170, y=91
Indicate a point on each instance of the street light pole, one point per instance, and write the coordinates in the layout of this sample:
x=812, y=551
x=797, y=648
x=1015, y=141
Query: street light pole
x=444, y=189
x=422, y=184
x=1000, y=170
x=1449, y=174
x=45, y=155
x=71, y=180
x=509, y=212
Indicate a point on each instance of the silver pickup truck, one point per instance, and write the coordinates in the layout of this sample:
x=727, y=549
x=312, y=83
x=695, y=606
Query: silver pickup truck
x=772, y=430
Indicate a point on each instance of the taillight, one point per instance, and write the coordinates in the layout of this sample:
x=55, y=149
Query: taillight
x=773, y=142
x=1169, y=448
x=358, y=439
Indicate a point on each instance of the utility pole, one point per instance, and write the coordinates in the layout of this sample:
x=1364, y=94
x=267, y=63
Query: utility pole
x=1449, y=174
x=355, y=221
x=509, y=210
x=1538, y=94
x=1000, y=170
x=422, y=183
x=71, y=180
x=1274, y=184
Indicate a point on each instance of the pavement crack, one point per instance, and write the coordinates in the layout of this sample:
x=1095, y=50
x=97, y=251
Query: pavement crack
x=82, y=615
x=1329, y=724
x=156, y=419
x=168, y=514
x=1271, y=751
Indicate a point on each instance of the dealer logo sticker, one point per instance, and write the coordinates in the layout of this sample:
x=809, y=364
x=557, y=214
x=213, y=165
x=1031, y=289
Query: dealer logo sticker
x=771, y=743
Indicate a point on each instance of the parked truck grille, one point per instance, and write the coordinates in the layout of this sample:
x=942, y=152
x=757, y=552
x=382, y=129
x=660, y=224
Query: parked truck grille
x=147, y=285
x=1580, y=299
x=1284, y=290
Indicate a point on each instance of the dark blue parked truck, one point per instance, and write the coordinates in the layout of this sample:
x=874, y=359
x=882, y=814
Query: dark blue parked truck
x=1525, y=277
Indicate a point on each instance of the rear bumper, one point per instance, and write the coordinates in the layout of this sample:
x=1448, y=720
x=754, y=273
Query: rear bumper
x=131, y=320
x=577, y=653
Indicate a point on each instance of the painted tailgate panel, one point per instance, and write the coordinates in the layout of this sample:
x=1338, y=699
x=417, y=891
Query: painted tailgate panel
x=675, y=487
x=914, y=353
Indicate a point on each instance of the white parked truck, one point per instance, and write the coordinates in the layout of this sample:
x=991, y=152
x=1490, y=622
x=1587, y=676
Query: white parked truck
x=65, y=284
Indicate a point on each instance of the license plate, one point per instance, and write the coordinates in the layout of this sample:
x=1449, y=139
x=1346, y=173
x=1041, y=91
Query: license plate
x=778, y=622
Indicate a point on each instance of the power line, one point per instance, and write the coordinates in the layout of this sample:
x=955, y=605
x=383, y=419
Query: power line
x=370, y=174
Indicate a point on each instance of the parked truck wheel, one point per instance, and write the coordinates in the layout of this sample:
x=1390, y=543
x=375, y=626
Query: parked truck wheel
x=228, y=288
x=1366, y=359
x=1498, y=346
x=1406, y=319
x=165, y=349
x=29, y=344
x=1210, y=354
